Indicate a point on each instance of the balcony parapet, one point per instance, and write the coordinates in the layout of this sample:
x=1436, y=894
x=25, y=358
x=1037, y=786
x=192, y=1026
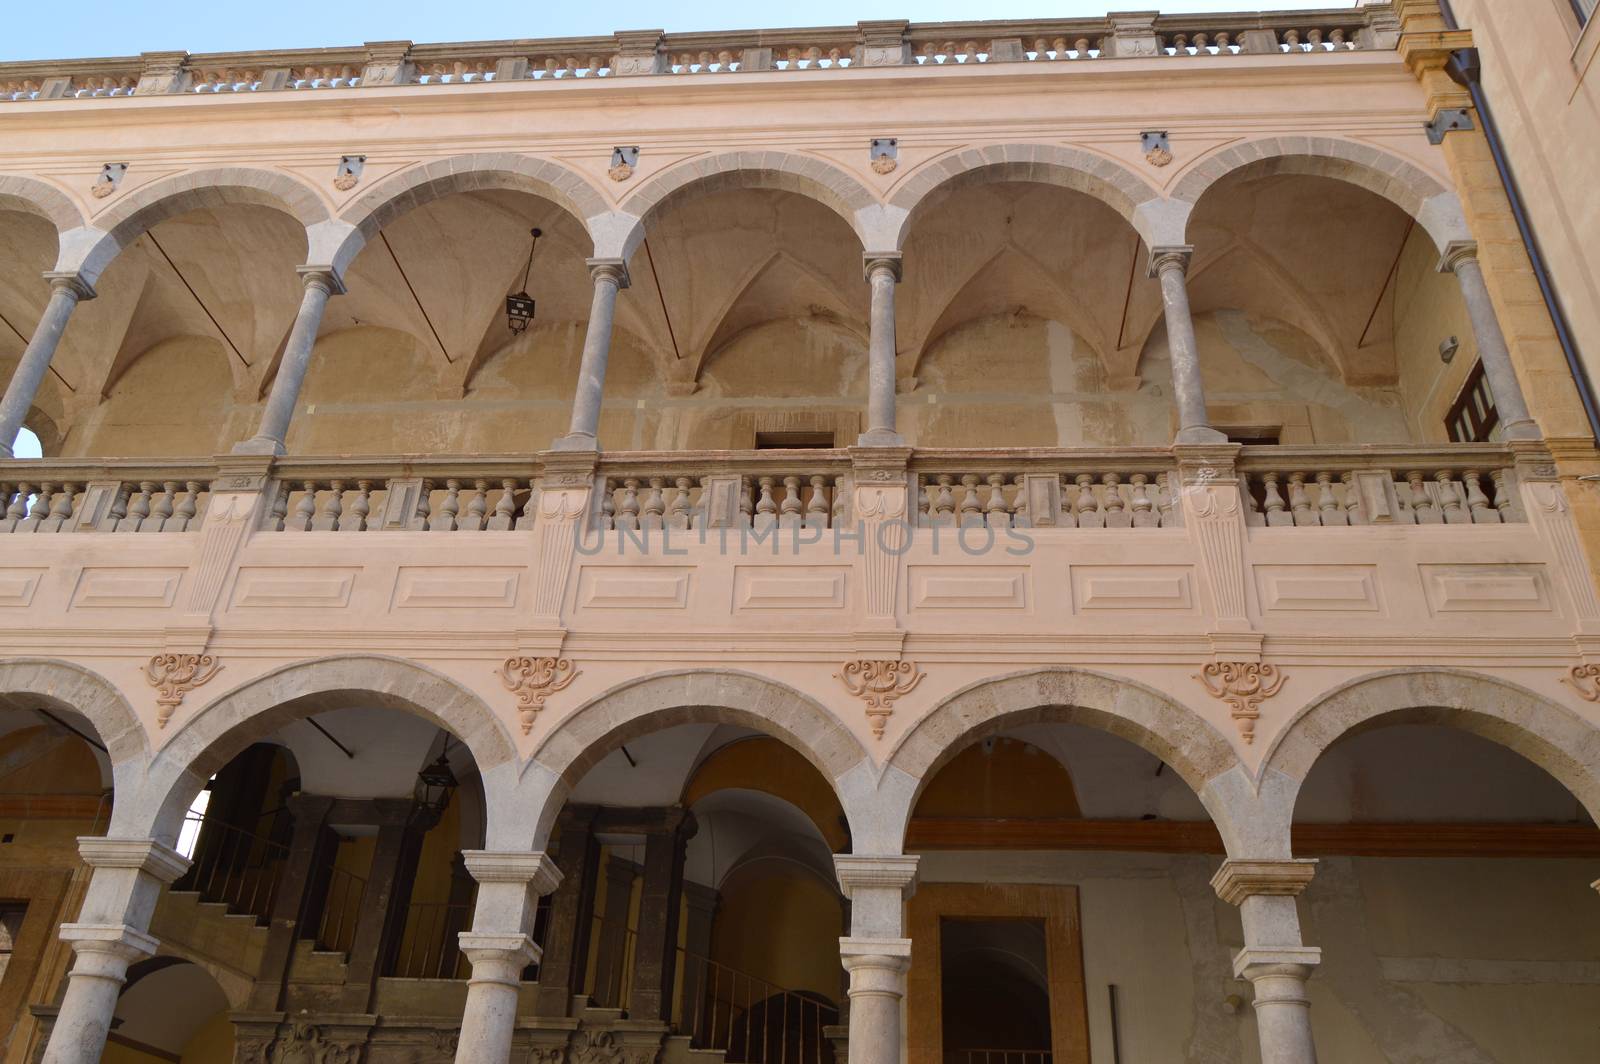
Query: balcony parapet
x=835, y=48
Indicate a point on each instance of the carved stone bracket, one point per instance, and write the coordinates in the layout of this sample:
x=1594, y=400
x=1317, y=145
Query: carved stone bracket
x=175, y=675
x=533, y=680
x=1244, y=685
x=1584, y=679
x=878, y=684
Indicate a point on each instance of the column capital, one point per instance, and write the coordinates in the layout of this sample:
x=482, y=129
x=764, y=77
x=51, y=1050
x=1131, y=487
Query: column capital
x=324, y=277
x=533, y=868
x=614, y=269
x=1237, y=880
x=874, y=261
x=1168, y=257
x=115, y=941
x=876, y=872
x=70, y=281
x=498, y=958
x=1296, y=962
x=892, y=954
x=1455, y=253
x=145, y=855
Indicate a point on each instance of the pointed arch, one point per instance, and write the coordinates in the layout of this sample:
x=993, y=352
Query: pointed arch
x=1435, y=207
x=720, y=696
x=1129, y=710
x=1048, y=164
x=32, y=196
x=804, y=175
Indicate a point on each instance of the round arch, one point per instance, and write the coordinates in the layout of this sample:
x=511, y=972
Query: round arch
x=25, y=682
x=143, y=208
x=225, y=726
x=1124, y=708
x=1435, y=207
x=32, y=196
x=1050, y=164
x=664, y=700
x=1545, y=732
x=804, y=175
x=398, y=193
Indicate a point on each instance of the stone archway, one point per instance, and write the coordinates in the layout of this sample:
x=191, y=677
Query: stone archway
x=31, y=196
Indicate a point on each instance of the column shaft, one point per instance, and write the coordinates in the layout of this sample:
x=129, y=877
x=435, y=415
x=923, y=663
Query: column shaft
x=65, y=292
x=1273, y=958
x=875, y=953
x=1515, y=420
x=883, y=273
x=1170, y=266
x=285, y=393
x=500, y=947
x=610, y=277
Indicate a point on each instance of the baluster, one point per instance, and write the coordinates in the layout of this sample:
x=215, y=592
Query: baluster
x=304, y=507
x=1331, y=513
x=477, y=507
x=789, y=511
x=1504, y=501
x=1277, y=513
x=332, y=508
x=1253, y=517
x=1353, y=514
x=1020, y=516
x=628, y=513
x=766, y=507
x=138, y=507
x=1422, y=504
x=1450, y=500
x=188, y=504
x=678, y=504
x=747, y=504
x=161, y=507
x=355, y=518
x=1087, y=506
x=1300, y=501
x=505, y=507
x=606, y=518
x=1477, y=501
x=1144, y=515
x=1167, y=502
x=971, y=516
x=1117, y=515
x=444, y=518
x=8, y=523
x=655, y=505
x=995, y=513
x=925, y=499
x=116, y=512
x=817, y=505
x=419, y=519
x=841, y=502
x=944, y=504
x=60, y=515
x=40, y=508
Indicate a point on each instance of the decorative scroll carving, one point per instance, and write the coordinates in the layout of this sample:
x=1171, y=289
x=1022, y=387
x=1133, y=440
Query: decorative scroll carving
x=1244, y=685
x=1584, y=679
x=533, y=680
x=175, y=675
x=308, y=1044
x=878, y=684
x=595, y=1047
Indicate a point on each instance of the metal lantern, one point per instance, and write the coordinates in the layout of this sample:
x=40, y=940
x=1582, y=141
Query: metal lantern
x=520, y=307
x=435, y=784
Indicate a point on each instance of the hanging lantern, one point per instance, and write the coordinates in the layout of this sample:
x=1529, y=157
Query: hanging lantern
x=435, y=784
x=519, y=307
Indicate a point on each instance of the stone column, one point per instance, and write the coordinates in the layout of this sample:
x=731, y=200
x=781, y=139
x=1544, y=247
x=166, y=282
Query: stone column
x=1461, y=259
x=66, y=290
x=610, y=277
x=1170, y=265
x=883, y=273
x=660, y=897
x=500, y=946
x=1273, y=958
x=129, y=876
x=876, y=953
x=566, y=936
x=320, y=284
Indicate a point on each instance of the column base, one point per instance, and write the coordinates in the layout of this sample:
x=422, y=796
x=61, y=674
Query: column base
x=576, y=441
x=880, y=438
x=1200, y=434
x=259, y=445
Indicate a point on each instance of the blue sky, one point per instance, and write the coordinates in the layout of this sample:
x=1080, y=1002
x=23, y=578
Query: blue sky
x=53, y=31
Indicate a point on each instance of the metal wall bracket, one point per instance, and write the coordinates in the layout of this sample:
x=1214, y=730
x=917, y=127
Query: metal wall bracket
x=1447, y=120
x=110, y=176
x=884, y=148
x=349, y=171
x=1155, y=141
x=628, y=156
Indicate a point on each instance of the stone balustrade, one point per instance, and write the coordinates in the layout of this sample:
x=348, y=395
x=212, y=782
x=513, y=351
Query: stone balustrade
x=867, y=44
x=62, y=497
x=755, y=492
x=1055, y=489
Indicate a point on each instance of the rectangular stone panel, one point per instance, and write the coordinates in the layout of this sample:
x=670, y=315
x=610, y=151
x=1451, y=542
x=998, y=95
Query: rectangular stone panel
x=312, y=587
x=1132, y=587
x=1486, y=588
x=607, y=587
x=968, y=587
x=1318, y=588
x=121, y=587
x=455, y=587
x=17, y=586
x=789, y=587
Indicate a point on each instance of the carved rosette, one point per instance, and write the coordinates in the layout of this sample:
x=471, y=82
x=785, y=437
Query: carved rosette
x=345, y=182
x=1158, y=157
x=1244, y=685
x=884, y=164
x=1584, y=679
x=878, y=684
x=620, y=172
x=175, y=675
x=533, y=680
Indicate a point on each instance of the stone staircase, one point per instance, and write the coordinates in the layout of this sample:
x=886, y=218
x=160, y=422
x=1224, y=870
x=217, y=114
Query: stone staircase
x=208, y=932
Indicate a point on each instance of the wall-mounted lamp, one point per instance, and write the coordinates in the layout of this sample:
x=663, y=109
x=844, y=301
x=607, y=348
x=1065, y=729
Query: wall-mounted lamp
x=519, y=307
x=1448, y=348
